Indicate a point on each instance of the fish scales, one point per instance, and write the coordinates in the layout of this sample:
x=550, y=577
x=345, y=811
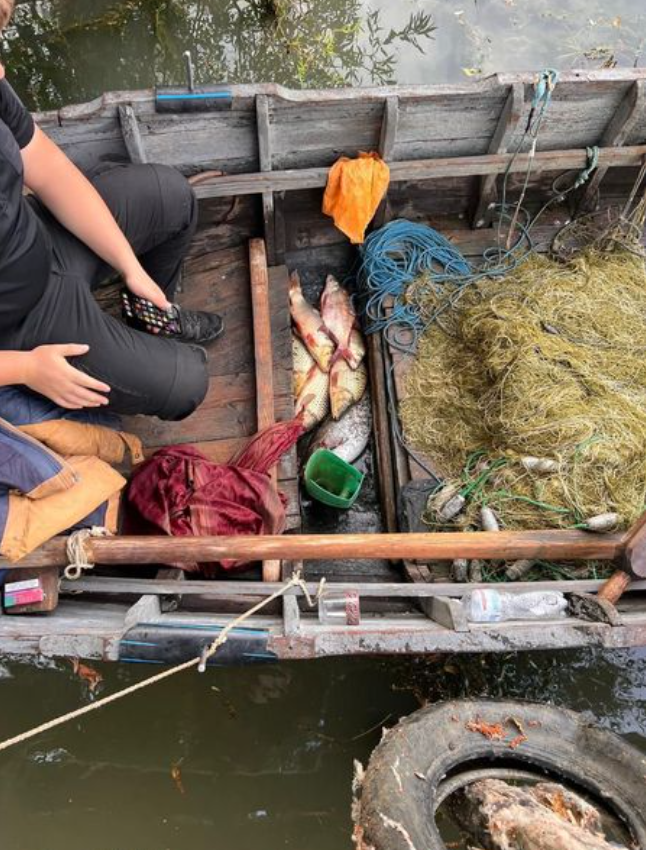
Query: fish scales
x=309, y=324
x=357, y=348
x=340, y=319
x=302, y=362
x=349, y=436
x=313, y=403
x=337, y=313
x=347, y=386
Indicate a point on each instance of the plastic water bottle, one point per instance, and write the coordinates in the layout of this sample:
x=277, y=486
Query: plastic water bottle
x=493, y=606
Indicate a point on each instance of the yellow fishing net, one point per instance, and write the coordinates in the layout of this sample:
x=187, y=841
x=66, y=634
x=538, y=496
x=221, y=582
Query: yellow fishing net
x=548, y=362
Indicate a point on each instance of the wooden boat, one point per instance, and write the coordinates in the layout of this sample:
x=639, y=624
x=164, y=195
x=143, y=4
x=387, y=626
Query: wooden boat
x=263, y=162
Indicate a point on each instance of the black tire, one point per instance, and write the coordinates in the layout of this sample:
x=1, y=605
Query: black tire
x=400, y=787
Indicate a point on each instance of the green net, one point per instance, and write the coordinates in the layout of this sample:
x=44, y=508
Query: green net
x=549, y=363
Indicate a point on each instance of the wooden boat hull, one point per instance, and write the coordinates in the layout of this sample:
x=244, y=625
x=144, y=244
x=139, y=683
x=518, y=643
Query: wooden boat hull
x=446, y=145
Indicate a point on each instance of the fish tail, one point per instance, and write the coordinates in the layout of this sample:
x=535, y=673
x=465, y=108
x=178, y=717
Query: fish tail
x=346, y=353
x=294, y=283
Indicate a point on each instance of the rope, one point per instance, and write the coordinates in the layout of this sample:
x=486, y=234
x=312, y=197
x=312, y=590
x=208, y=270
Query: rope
x=403, y=252
x=199, y=662
x=542, y=98
x=77, y=555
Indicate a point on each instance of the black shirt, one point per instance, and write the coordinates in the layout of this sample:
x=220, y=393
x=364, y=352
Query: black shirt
x=25, y=252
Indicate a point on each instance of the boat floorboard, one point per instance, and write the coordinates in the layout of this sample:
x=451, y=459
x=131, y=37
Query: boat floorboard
x=219, y=281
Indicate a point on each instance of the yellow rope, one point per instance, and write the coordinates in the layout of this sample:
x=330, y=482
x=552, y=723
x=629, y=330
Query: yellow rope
x=200, y=662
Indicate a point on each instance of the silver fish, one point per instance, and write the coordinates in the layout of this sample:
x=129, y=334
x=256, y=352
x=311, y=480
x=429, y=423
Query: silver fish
x=347, y=437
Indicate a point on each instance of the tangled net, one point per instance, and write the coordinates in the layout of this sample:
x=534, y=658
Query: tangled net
x=547, y=362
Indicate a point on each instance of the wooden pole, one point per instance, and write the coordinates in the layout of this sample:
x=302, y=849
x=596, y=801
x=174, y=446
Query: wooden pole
x=381, y=432
x=507, y=545
x=614, y=588
x=425, y=169
x=264, y=359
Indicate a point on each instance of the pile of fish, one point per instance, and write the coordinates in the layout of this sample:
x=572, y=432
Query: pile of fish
x=328, y=352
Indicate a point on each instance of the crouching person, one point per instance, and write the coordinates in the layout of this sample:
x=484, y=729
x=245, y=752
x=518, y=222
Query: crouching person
x=67, y=239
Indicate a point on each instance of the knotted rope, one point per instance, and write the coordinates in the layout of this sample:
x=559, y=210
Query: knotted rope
x=200, y=662
x=77, y=554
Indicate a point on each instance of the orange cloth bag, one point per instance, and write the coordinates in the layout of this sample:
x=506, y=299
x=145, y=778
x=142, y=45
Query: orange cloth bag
x=354, y=190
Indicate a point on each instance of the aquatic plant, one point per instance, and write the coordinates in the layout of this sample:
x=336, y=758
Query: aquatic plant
x=53, y=46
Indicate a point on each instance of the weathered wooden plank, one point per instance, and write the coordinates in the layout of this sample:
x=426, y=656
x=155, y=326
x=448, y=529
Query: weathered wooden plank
x=463, y=166
x=280, y=229
x=318, y=136
x=227, y=411
x=131, y=134
x=264, y=359
x=86, y=144
x=243, y=94
x=233, y=587
x=318, y=126
x=508, y=545
x=383, y=448
x=265, y=161
x=219, y=283
x=505, y=129
x=291, y=610
x=447, y=612
x=389, y=126
x=387, y=141
x=616, y=133
x=263, y=354
x=224, y=141
x=447, y=125
x=224, y=223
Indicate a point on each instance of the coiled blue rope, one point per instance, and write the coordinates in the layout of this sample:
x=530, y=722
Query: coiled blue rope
x=403, y=251
x=393, y=257
x=398, y=254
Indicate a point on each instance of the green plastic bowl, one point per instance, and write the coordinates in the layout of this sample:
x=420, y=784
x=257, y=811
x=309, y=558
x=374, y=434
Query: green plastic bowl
x=330, y=480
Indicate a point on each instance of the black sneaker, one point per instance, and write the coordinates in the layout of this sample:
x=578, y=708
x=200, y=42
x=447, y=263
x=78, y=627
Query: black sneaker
x=198, y=327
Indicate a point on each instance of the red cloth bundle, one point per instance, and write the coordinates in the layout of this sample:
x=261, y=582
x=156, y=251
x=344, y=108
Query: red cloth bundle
x=180, y=492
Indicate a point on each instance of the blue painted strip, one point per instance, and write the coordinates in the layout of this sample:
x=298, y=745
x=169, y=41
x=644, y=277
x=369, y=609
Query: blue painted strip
x=138, y=643
x=204, y=627
x=222, y=95
x=259, y=655
x=141, y=661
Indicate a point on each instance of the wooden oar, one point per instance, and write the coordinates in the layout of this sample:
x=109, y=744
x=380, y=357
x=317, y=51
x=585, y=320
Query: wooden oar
x=264, y=359
x=487, y=545
x=602, y=606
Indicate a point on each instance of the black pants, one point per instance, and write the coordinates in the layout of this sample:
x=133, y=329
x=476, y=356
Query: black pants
x=156, y=209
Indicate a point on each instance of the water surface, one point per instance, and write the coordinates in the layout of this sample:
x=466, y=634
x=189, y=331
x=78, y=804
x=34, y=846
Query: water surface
x=264, y=753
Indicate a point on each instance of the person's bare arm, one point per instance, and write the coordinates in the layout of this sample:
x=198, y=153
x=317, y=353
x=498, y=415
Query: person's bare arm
x=69, y=195
x=46, y=371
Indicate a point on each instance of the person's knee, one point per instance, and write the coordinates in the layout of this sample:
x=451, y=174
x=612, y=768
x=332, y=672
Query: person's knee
x=190, y=385
x=177, y=196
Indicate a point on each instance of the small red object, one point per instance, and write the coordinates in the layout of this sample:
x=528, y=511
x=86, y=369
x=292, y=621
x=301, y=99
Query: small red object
x=24, y=597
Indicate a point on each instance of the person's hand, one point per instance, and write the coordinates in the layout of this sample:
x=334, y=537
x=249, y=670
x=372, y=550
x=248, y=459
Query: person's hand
x=48, y=373
x=140, y=283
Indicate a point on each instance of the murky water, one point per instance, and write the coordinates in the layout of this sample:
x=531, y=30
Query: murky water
x=262, y=756
x=71, y=50
x=249, y=757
